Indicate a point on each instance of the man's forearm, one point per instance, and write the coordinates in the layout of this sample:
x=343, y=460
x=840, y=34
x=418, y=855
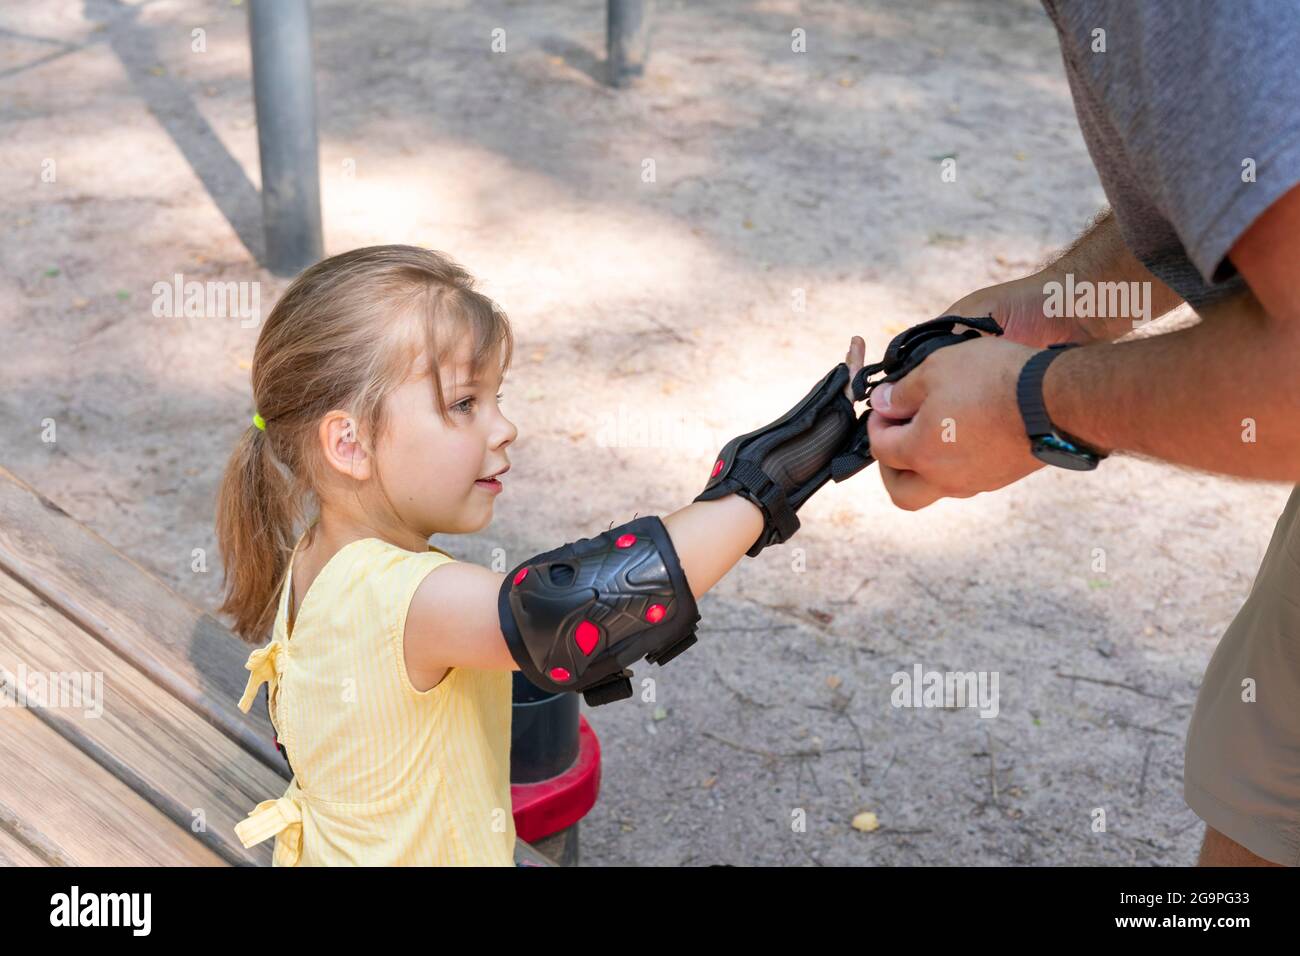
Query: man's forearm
x=1100, y=255
x=1222, y=395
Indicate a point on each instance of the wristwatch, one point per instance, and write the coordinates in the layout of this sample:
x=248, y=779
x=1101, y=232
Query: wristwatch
x=1045, y=441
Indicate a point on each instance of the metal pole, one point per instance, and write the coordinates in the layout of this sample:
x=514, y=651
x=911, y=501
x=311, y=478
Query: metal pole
x=627, y=39
x=285, y=96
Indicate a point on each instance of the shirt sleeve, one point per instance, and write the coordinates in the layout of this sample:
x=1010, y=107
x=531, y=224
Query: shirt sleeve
x=1203, y=100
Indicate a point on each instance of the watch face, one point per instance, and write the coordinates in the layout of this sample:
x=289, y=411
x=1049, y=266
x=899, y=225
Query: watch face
x=1063, y=454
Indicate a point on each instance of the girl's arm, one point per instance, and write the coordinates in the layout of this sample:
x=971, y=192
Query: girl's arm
x=453, y=619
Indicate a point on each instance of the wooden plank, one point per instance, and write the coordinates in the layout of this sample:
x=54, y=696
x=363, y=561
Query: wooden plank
x=146, y=738
x=187, y=652
x=22, y=844
x=13, y=853
x=80, y=808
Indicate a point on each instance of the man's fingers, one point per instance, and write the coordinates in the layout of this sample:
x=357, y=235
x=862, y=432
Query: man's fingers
x=902, y=399
x=890, y=440
x=907, y=489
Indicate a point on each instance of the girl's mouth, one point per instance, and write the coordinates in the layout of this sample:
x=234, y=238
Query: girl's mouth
x=493, y=482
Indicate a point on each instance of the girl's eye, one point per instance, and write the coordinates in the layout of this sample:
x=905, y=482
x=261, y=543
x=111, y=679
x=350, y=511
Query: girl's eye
x=465, y=405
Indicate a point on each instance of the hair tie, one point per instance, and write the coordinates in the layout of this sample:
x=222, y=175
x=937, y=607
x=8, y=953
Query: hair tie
x=259, y=421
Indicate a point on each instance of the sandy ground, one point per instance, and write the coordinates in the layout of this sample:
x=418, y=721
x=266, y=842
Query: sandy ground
x=670, y=300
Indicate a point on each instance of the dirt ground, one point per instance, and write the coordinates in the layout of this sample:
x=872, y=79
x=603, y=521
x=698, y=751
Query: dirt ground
x=668, y=303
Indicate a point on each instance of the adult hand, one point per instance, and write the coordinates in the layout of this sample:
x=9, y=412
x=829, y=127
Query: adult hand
x=951, y=428
x=1018, y=308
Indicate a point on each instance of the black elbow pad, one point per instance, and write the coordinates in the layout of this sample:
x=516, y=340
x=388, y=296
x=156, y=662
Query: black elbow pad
x=576, y=617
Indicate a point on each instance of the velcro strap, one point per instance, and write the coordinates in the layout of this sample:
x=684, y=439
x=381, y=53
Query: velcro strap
x=770, y=495
x=850, y=463
x=910, y=347
x=860, y=380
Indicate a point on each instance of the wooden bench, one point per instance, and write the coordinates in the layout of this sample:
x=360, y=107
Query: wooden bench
x=163, y=773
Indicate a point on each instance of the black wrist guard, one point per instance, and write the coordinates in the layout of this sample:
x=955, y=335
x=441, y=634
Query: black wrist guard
x=781, y=465
x=575, y=617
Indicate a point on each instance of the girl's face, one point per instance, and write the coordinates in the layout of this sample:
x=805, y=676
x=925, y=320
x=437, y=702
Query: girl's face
x=431, y=469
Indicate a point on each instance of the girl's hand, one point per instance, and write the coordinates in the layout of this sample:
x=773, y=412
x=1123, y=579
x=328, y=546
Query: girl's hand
x=855, y=357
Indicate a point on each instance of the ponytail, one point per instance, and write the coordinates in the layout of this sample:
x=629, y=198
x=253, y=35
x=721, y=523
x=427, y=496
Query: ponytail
x=258, y=511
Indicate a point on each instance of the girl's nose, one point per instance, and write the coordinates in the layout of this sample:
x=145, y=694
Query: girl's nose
x=508, y=434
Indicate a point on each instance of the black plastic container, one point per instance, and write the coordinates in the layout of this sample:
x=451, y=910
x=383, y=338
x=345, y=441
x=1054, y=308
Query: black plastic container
x=543, y=732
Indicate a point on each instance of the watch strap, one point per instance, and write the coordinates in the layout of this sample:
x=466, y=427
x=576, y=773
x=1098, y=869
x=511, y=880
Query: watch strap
x=1029, y=390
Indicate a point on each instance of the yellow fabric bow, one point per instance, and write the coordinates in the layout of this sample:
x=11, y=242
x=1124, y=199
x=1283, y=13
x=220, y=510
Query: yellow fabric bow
x=270, y=817
x=262, y=664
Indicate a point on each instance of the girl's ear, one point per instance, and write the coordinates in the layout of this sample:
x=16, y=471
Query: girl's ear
x=343, y=452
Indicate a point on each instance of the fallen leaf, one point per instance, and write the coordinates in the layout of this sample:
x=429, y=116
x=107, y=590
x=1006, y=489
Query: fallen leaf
x=866, y=822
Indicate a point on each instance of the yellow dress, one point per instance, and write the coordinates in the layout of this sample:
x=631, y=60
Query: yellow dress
x=384, y=775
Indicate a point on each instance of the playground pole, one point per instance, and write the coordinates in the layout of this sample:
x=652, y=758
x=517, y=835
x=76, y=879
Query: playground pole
x=627, y=40
x=285, y=97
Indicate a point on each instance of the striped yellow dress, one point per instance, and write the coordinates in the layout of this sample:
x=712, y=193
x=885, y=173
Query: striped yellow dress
x=384, y=775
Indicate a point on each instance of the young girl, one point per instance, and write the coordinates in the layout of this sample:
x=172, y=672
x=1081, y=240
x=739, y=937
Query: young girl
x=376, y=381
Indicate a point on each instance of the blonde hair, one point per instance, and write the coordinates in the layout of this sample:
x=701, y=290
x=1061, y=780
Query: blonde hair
x=345, y=334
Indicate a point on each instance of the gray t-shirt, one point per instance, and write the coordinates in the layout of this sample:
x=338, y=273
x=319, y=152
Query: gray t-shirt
x=1184, y=94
